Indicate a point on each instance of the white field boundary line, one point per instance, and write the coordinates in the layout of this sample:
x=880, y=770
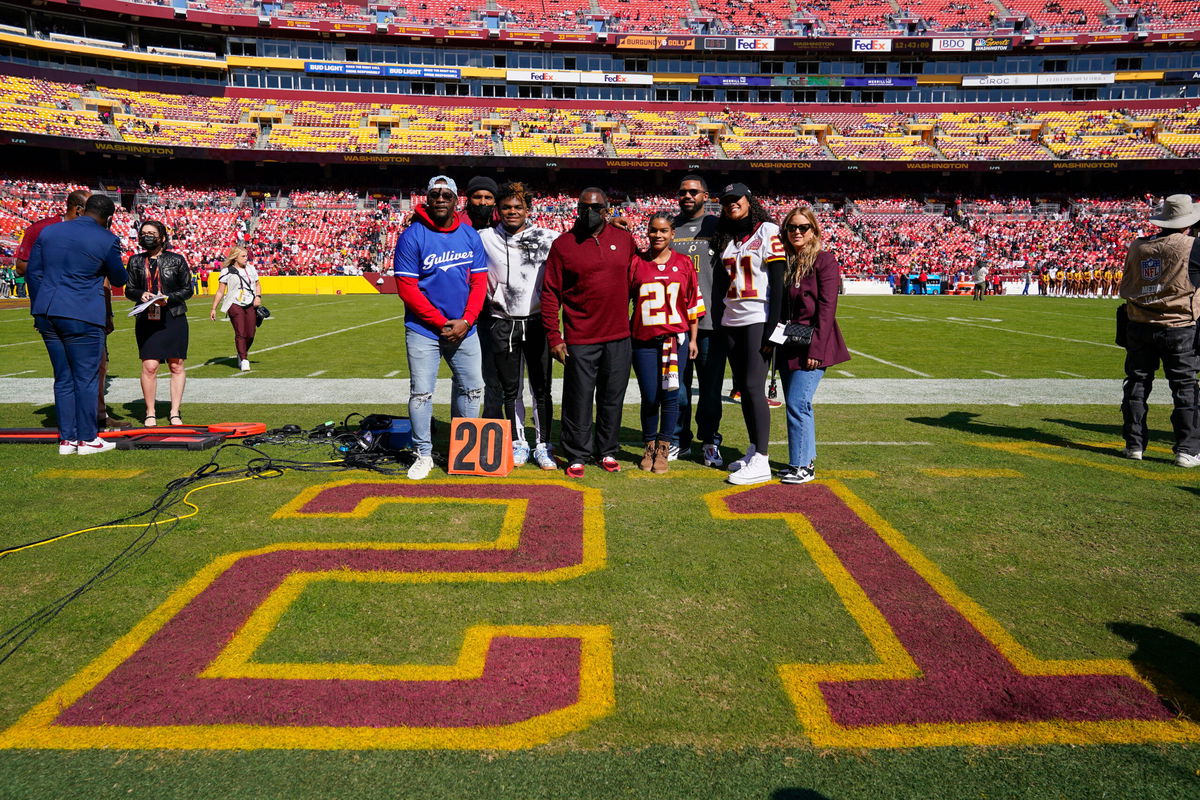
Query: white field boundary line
x=19, y=344
x=14, y=374
x=918, y=373
x=997, y=328
x=258, y=351
x=864, y=444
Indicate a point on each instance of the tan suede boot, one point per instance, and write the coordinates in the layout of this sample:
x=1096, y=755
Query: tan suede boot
x=647, y=461
x=661, y=451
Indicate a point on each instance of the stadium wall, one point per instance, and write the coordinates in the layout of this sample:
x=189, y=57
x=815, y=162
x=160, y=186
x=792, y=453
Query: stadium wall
x=318, y=284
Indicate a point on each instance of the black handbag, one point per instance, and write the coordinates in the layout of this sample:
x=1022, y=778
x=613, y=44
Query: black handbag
x=797, y=334
x=261, y=313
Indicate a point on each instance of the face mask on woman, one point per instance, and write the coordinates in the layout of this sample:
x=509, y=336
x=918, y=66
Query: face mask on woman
x=148, y=241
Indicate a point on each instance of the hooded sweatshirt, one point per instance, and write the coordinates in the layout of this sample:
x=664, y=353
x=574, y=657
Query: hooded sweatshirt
x=441, y=274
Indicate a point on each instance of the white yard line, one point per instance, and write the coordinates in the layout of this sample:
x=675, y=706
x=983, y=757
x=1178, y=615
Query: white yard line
x=315, y=374
x=918, y=373
x=18, y=344
x=997, y=328
x=1068, y=374
x=14, y=374
x=323, y=335
x=392, y=374
x=989, y=372
x=844, y=374
x=865, y=444
x=259, y=350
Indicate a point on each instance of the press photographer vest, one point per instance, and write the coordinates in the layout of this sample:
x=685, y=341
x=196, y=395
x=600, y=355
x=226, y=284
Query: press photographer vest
x=1155, y=286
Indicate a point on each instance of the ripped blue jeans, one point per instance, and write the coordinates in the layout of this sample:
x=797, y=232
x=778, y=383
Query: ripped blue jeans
x=424, y=358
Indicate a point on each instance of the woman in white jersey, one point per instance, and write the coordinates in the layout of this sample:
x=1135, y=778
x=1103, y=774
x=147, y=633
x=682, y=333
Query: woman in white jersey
x=745, y=308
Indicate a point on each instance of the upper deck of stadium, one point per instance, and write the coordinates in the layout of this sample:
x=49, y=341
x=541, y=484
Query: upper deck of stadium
x=601, y=20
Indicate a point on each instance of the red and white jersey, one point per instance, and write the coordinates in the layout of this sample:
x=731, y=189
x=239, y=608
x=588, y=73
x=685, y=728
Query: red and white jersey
x=746, y=264
x=666, y=297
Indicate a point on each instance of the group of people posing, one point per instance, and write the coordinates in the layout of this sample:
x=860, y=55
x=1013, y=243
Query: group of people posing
x=500, y=300
x=71, y=263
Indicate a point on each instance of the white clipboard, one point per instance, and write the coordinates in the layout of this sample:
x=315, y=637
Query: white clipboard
x=140, y=307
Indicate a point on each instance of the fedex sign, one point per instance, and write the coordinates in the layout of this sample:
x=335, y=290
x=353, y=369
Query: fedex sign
x=754, y=43
x=871, y=45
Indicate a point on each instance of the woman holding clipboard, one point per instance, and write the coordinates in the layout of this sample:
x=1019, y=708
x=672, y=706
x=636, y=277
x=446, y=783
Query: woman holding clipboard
x=160, y=278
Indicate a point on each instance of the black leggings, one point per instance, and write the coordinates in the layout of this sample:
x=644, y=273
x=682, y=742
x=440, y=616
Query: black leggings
x=750, y=378
x=515, y=344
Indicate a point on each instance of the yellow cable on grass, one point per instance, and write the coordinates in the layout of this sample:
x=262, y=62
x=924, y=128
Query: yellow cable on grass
x=195, y=510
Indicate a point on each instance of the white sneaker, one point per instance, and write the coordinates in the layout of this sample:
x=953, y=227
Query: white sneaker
x=1187, y=460
x=712, y=456
x=96, y=445
x=420, y=468
x=756, y=470
x=675, y=452
x=66, y=447
x=1132, y=453
x=734, y=466
x=244, y=365
x=544, y=457
x=520, y=453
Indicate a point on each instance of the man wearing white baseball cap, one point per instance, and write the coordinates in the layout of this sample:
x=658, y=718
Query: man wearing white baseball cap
x=441, y=275
x=1161, y=289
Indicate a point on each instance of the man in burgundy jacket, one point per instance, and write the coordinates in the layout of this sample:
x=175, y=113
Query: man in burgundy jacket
x=587, y=278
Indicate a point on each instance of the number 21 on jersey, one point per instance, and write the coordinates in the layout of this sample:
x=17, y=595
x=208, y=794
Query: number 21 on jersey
x=741, y=278
x=659, y=303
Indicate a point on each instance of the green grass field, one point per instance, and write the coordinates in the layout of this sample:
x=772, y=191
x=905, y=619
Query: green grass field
x=978, y=600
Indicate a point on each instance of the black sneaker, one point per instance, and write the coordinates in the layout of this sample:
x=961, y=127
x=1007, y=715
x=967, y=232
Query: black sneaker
x=799, y=475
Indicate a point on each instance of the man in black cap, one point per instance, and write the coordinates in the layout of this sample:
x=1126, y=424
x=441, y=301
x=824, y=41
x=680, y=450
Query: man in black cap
x=481, y=213
x=481, y=202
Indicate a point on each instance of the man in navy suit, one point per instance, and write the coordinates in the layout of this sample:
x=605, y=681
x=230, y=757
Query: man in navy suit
x=67, y=268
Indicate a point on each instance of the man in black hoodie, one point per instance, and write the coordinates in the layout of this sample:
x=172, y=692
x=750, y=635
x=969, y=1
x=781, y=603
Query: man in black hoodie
x=481, y=213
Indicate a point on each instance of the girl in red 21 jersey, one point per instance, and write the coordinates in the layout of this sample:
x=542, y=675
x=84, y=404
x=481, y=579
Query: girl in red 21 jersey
x=666, y=308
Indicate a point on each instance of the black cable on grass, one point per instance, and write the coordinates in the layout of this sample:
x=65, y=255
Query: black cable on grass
x=260, y=465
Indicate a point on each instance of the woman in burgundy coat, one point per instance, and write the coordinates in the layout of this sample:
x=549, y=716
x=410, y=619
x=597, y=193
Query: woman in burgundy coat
x=811, y=283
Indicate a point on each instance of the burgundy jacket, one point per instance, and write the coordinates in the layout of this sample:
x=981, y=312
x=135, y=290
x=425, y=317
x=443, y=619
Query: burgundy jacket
x=814, y=302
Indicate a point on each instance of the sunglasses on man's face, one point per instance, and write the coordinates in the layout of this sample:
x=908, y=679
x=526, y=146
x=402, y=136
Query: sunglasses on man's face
x=593, y=206
x=802, y=228
x=683, y=192
x=441, y=194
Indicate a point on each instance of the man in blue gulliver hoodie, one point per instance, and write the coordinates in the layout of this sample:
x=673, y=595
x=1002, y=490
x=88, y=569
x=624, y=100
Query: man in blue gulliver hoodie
x=441, y=275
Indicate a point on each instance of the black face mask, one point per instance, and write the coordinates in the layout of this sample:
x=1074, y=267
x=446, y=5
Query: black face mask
x=480, y=216
x=589, y=221
x=148, y=241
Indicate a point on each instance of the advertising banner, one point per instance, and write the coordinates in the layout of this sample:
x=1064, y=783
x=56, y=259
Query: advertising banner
x=735, y=80
x=960, y=45
x=410, y=30
x=1055, y=79
x=758, y=44
x=627, y=79
x=380, y=70
x=1181, y=76
x=541, y=76
x=575, y=76
x=991, y=44
x=871, y=45
x=881, y=82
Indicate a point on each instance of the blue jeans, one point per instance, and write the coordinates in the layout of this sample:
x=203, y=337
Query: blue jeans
x=799, y=386
x=709, y=368
x=424, y=357
x=75, y=349
x=647, y=366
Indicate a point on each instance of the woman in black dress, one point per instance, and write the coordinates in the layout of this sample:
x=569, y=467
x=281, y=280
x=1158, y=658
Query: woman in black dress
x=162, y=329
